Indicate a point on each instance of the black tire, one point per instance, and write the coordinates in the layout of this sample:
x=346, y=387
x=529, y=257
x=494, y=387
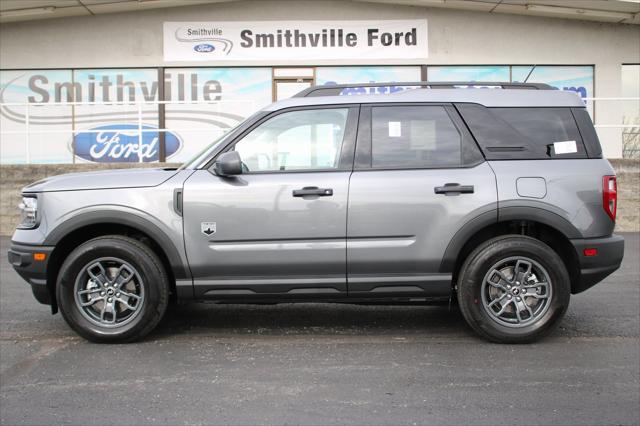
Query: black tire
x=474, y=298
x=150, y=279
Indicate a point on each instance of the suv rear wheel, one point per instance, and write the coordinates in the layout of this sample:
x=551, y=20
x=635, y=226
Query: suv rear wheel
x=112, y=289
x=513, y=289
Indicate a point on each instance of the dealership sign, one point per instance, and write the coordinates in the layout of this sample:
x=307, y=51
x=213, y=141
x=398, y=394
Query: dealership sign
x=295, y=40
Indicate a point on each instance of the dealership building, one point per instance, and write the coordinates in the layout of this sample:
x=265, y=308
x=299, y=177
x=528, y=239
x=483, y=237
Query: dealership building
x=93, y=81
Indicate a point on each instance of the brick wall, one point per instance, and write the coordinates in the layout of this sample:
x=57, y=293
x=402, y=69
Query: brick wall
x=14, y=178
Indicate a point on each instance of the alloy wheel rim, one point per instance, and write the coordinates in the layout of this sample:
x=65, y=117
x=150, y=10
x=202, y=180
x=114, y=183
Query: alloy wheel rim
x=109, y=292
x=516, y=291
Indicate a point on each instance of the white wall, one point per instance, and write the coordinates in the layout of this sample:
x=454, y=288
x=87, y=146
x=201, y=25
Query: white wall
x=455, y=37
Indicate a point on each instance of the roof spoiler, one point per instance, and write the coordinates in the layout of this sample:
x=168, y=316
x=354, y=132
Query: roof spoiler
x=336, y=89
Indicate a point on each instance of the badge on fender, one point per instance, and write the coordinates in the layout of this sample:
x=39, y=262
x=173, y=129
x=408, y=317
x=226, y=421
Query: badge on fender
x=208, y=228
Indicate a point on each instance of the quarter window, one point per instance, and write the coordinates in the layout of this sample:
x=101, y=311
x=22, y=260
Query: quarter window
x=524, y=133
x=414, y=137
x=542, y=126
x=297, y=140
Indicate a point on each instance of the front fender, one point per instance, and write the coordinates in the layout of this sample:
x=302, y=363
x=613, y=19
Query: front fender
x=127, y=216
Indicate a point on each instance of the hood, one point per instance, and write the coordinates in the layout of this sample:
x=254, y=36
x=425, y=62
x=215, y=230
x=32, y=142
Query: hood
x=104, y=179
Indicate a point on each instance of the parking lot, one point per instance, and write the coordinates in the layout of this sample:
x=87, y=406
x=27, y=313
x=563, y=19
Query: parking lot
x=324, y=364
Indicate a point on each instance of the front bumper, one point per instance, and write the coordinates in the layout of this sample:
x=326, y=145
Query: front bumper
x=21, y=257
x=593, y=269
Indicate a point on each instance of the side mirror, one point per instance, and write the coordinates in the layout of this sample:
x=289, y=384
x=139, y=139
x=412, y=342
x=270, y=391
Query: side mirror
x=228, y=164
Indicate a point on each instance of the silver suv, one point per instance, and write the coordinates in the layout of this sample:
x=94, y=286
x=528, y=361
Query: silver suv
x=495, y=196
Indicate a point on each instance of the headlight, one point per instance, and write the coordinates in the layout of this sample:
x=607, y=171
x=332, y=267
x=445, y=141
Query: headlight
x=28, y=212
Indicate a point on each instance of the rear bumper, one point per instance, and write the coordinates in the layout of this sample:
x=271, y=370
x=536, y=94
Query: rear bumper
x=21, y=257
x=593, y=269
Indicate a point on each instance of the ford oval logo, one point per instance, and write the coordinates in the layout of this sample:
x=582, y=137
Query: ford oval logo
x=204, y=48
x=119, y=143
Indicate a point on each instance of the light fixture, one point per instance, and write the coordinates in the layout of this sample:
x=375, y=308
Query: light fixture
x=557, y=10
x=27, y=12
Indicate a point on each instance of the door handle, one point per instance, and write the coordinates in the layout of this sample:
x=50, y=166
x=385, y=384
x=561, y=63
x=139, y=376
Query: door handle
x=453, y=189
x=313, y=190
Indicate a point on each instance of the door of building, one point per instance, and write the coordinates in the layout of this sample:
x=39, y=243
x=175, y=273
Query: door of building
x=289, y=81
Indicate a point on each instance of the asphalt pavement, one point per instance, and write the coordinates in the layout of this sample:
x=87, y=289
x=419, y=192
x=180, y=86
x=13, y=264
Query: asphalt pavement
x=324, y=364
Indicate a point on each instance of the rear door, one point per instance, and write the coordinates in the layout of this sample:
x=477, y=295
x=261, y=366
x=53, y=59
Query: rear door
x=278, y=229
x=418, y=178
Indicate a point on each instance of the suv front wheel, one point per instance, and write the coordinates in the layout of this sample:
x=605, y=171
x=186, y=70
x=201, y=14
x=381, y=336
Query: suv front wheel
x=513, y=289
x=112, y=289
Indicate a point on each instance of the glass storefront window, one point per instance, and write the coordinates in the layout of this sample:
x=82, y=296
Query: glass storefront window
x=45, y=136
x=468, y=73
x=109, y=131
x=576, y=78
x=373, y=74
x=204, y=103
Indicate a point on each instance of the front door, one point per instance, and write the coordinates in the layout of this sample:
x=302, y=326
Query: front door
x=280, y=227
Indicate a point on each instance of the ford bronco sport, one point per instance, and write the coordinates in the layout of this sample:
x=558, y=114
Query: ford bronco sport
x=497, y=196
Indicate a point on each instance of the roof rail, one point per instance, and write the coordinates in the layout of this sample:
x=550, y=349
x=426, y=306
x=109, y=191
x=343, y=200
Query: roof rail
x=336, y=89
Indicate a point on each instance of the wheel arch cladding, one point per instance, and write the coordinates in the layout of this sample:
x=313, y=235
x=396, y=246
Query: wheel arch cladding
x=543, y=225
x=89, y=225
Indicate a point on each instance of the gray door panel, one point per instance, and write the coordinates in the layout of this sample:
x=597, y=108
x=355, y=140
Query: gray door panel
x=399, y=228
x=266, y=240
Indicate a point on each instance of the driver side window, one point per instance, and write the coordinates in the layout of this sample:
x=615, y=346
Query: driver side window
x=296, y=140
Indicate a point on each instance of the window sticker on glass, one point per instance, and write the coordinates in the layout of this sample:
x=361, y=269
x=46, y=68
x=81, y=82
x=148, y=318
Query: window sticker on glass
x=565, y=147
x=395, y=129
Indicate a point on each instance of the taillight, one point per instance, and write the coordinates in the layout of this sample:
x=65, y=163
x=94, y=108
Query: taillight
x=610, y=196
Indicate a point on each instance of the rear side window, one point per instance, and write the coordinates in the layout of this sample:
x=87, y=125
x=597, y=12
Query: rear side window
x=414, y=137
x=524, y=133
